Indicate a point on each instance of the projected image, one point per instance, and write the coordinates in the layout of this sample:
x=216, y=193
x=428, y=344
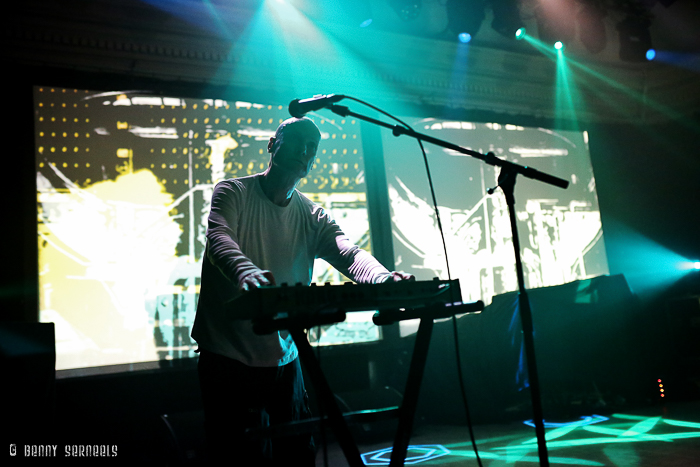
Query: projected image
x=591, y=440
x=560, y=230
x=124, y=182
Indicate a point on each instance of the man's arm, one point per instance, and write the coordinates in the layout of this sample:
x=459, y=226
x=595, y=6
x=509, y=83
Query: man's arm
x=223, y=250
x=354, y=262
x=400, y=276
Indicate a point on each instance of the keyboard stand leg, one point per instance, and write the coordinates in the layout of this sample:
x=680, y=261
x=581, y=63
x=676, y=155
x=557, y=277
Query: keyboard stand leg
x=410, y=398
x=327, y=399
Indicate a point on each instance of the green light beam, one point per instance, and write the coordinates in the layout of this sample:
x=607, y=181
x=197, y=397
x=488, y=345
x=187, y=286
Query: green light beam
x=639, y=431
x=626, y=433
x=561, y=460
x=567, y=98
x=634, y=95
x=629, y=417
x=681, y=423
x=578, y=442
x=482, y=441
x=470, y=453
x=642, y=427
x=557, y=433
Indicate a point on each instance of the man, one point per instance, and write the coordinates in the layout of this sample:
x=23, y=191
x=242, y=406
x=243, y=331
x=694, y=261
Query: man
x=262, y=232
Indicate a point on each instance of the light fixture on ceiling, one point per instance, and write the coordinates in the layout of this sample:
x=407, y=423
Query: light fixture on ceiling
x=464, y=18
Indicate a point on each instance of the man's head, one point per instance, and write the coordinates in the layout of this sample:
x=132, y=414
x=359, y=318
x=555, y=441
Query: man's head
x=293, y=148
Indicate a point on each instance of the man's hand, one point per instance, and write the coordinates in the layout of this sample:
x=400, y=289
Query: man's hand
x=400, y=276
x=256, y=280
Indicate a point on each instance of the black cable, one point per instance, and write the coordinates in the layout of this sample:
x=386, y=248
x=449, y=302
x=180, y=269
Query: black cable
x=449, y=276
x=454, y=318
x=427, y=170
x=463, y=391
x=324, y=441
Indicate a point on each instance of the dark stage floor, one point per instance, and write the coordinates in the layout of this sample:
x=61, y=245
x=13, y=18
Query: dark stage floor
x=661, y=436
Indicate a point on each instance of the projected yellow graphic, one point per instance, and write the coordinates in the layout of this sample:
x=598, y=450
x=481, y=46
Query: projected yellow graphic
x=103, y=249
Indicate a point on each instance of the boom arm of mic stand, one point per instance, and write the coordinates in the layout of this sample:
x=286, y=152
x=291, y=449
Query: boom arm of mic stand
x=489, y=158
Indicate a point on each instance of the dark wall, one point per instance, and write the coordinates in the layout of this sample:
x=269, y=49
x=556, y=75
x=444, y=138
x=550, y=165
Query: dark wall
x=18, y=235
x=648, y=182
x=125, y=410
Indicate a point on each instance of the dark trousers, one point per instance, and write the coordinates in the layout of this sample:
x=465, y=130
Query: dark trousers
x=237, y=397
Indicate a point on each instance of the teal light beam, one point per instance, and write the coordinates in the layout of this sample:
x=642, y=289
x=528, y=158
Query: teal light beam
x=636, y=96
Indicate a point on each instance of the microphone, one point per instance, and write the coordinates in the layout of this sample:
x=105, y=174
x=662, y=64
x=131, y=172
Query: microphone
x=298, y=108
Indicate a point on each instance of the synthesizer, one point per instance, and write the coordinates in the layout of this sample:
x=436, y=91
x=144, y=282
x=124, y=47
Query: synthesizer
x=299, y=299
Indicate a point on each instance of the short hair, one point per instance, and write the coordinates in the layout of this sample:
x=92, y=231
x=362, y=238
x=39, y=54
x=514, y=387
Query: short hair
x=294, y=120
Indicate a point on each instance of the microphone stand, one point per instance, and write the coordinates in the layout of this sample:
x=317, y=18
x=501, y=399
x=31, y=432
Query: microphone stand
x=506, y=181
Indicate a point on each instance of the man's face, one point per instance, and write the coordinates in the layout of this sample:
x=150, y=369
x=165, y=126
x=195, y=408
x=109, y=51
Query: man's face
x=294, y=150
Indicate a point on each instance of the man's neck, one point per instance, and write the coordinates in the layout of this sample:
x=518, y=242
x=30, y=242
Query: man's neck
x=278, y=188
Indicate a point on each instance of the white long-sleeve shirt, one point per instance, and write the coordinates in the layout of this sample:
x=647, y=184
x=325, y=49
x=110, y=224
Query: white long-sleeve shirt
x=247, y=232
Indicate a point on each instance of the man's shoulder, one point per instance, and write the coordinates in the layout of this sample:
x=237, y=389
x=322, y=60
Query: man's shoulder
x=307, y=203
x=313, y=208
x=239, y=183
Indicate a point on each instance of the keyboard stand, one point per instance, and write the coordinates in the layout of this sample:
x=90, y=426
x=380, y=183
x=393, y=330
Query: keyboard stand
x=405, y=413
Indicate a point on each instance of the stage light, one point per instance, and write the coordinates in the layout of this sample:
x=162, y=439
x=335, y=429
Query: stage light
x=464, y=37
x=520, y=33
x=465, y=18
x=688, y=265
x=651, y=54
x=559, y=45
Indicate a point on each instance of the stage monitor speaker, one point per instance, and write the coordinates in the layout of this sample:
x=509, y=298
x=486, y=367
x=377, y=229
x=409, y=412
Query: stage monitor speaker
x=589, y=343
